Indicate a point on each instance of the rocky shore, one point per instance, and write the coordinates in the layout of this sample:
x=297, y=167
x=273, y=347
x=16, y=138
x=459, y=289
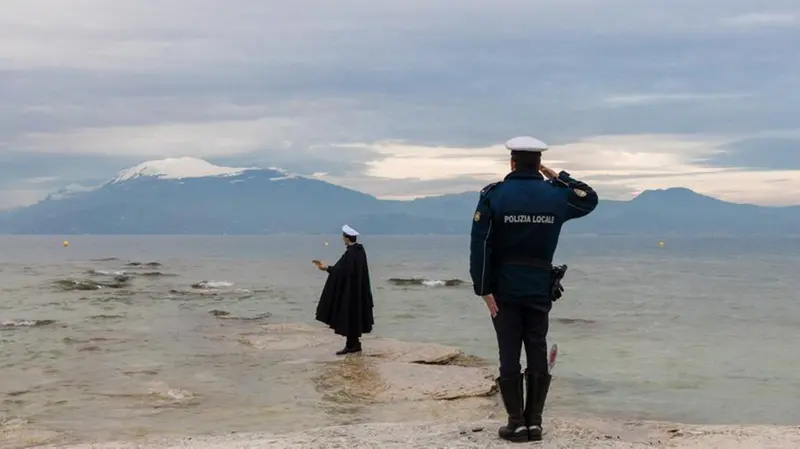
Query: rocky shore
x=563, y=434
x=424, y=395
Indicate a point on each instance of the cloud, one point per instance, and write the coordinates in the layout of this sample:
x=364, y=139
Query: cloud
x=617, y=166
x=647, y=99
x=89, y=88
x=773, y=188
x=760, y=153
x=40, y=180
x=183, y=139
x=762, y=19
x=16, y=197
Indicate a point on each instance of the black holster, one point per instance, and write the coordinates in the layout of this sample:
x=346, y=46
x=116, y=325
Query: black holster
x=557, y=273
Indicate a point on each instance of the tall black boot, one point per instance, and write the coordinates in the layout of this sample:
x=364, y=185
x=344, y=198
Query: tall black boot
x=511, y=391
x=537, y=387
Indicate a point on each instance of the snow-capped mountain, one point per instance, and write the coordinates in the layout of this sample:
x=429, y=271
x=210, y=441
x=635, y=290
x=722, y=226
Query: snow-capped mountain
x=177, y=168
x=180, y=168
x=190, y=195
x=193, y=196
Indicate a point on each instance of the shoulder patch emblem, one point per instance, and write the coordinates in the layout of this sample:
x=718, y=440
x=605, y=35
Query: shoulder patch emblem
x=477, y=216
x=580, y=193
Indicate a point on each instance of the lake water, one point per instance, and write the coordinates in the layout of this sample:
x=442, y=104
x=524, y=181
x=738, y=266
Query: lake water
x=701, y=330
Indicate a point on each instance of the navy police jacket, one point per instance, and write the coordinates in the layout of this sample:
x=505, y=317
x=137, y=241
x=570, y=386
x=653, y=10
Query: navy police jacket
x=515, y=232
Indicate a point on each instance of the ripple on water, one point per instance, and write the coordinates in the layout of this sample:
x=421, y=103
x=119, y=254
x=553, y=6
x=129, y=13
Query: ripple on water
x=94, y=272
x=18, y=433
x=151, y=274
x=162, y=395
x=158, y=394
x=92, y=340
x=118, y=297
x=574, y=321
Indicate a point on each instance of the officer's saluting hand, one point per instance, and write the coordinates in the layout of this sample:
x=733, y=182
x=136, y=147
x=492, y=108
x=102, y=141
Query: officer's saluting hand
x=515, y=232
x=548, y=172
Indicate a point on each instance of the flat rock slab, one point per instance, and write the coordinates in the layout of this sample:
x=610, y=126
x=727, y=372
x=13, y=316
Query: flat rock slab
x=290, y=337
x=287, y=342
x=408, y=352
x=387, y=370
x=387, y=381
x=414, y=382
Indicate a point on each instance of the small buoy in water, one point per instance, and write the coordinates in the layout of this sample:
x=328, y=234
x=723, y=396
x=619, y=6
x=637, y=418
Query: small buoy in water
x=660, y=244
x=326, y=243
x=65, y=244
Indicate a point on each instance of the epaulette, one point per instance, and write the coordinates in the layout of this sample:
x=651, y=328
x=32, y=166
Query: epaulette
x=488, y=188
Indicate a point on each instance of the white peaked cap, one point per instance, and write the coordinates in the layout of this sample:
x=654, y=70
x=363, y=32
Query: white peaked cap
x=526, y=143
x=349, y=231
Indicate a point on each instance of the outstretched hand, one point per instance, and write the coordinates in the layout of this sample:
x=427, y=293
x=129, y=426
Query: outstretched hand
x=320, y=265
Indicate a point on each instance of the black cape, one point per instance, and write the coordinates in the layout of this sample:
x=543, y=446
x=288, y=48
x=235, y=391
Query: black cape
x=346, y=301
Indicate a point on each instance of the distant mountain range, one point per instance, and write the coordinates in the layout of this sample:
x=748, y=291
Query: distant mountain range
x=192, y=196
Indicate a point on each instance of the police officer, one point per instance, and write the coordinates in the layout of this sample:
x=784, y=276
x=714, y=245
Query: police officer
x=515, y=232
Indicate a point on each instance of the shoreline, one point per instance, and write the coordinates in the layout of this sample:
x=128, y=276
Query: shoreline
x=412, y=395
x=574, y=433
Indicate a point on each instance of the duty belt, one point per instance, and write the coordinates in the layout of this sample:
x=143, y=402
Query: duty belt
x=556, y=273
x=529, y=261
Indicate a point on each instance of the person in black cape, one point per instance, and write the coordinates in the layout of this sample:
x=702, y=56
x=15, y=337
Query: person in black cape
x=345, y=304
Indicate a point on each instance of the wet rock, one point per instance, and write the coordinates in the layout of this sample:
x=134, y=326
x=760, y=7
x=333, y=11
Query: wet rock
x=146, y=264
x=426, y=282
x=225, y=315
x=408, y=281
x=411, y=352
x=573, y=321
x=386, y=371
x=279, y=343
x=415, y=382
x=87, y=284
x=209, y=285
x=26, y=323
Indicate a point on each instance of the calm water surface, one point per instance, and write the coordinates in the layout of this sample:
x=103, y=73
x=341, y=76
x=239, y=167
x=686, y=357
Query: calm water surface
x=701, y=330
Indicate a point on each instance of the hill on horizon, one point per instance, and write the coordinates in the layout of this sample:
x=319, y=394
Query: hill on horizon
x=192, y=196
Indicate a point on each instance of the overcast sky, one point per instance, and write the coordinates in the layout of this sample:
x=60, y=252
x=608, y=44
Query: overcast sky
x=401, y=98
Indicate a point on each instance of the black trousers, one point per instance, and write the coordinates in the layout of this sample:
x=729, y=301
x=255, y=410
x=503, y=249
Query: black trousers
x=353, y=341
x=517, y=325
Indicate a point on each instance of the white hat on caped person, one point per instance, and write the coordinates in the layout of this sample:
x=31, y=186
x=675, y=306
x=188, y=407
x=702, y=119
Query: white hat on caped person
x=347, y=230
